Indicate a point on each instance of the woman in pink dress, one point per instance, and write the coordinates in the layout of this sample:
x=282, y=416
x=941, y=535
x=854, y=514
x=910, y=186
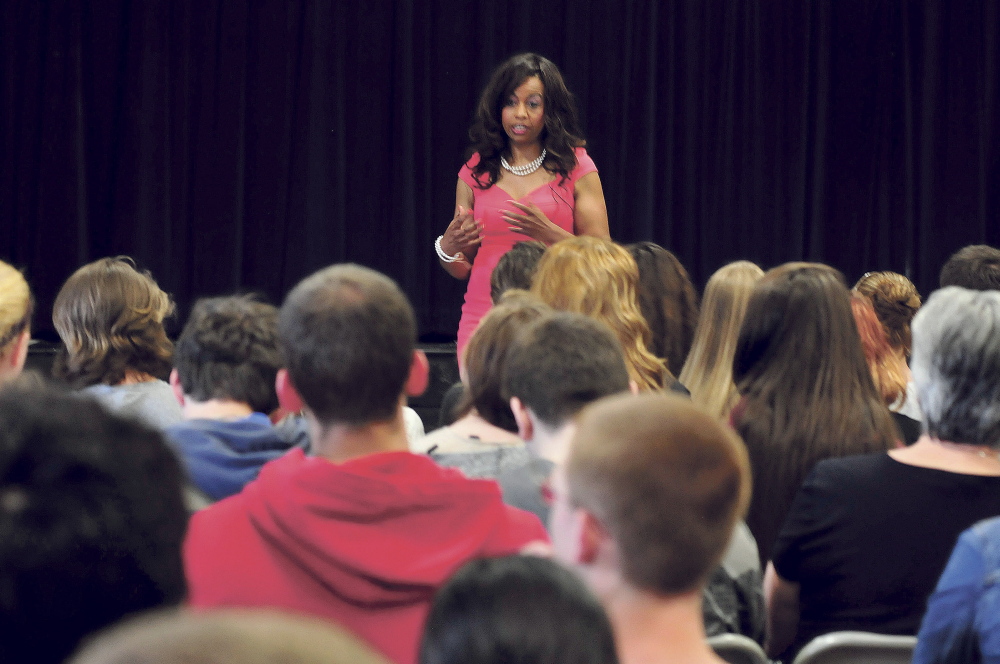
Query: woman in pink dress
x=528, y=178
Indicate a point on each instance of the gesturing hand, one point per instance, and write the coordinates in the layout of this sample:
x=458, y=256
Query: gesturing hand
x=463, y=233
x=532, y=222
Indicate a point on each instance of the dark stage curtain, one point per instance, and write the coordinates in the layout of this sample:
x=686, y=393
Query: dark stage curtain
x=241, y=145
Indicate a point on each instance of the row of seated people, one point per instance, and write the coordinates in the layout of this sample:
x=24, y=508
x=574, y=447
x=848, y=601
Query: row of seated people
x=330, y=538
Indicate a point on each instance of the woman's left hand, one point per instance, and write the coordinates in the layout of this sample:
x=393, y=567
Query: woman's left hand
x=532, y=222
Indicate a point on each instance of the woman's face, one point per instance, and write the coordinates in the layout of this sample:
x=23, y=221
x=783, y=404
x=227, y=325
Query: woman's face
x=523, y=114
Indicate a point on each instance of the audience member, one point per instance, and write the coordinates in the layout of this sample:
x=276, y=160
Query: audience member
x=888, y=370
x=598, y=278
x=515, y=268
x=806, y=391
x=896, y=301
x=521, y=609
x=225, y=364
x=226, y=637
x=976, y=267
x=708, y=371
x=554, y=367
x=16, y=307
x=644, y=508
x=91, y=522
x=110, y=319
x=484, y=440
x=868, y=536
x=668, y=301
x=962, y=623
x=363, y=532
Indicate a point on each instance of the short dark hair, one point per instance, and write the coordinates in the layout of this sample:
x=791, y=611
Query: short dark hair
x=91, y=522
x=562, y=362
x=976, y=267
x=229, y=350
x=631, y=456
x=347, y=336
x=515, y=268
x=516, y=609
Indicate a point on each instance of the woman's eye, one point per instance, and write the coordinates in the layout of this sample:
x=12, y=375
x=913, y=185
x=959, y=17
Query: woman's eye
x=512, y=102
x=534, y=104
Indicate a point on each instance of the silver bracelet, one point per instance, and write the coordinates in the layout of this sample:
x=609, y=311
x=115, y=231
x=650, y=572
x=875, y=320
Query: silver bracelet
x=443, y=256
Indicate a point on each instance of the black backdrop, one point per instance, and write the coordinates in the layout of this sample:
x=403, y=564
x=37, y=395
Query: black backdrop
x=240, y=145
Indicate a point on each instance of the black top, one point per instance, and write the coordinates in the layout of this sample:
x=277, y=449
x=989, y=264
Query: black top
x=867, y=538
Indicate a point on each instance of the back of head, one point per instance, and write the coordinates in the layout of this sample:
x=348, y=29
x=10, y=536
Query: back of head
x=976, y=267
x=562, y=362
x=633, y=455
x=347, y=336
x=16, y=307
x=956, y=365
x=91, y=522
x=229, y=350
x=895, y=300
x=516, y=609
x=808, y=393
x=486, y=355
x=598, y=278
x=515, y=269
x=708, y=371
x=668, y=300
x=110, y=319
x=227, y=636
x=885, y=368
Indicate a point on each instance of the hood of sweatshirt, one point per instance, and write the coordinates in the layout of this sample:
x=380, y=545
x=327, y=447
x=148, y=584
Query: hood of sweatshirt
x=381, y=530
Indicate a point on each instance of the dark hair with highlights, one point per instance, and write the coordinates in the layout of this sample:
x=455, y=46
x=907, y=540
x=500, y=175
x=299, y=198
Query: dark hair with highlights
x=669, y=302
x=109, y=316
x=562, y=133
x=229, y=350
x=516, y=609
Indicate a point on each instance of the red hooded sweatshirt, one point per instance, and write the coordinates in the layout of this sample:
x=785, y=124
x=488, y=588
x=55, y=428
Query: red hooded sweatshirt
x=365, y=543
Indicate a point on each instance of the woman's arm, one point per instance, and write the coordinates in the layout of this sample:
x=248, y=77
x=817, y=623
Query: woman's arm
x=782, y=599
x=591, y=216
x=463, y=235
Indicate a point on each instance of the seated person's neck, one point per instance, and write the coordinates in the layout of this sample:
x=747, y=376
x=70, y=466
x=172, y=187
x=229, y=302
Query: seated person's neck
x=552, y=444
x=338, y=442
x=653, y=629
x=215, y=409
x=132, y=377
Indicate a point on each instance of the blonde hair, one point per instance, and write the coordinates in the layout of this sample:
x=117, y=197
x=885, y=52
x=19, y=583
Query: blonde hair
x=708, y=371
x=598, y=278
x=110, y=319
x=895, y=300
x=16, y=305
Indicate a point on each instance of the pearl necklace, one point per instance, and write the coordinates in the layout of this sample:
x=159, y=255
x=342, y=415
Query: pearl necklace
x=528, y=168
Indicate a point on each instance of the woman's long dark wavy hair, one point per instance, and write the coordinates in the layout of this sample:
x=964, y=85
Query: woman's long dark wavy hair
x=562, y=133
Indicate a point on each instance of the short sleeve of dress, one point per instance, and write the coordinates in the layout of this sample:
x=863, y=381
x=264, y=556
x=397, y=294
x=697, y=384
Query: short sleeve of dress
x=584, y=165
x=465, y=173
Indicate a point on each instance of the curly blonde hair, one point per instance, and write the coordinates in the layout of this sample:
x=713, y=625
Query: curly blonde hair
x=598, y=278
x=16, y=305
x=110, y=318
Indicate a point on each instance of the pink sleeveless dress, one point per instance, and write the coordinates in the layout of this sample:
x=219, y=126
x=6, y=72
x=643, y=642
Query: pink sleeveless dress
x=555, y=199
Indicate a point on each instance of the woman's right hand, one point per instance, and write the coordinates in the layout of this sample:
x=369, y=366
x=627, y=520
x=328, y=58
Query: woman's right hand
x=463, y=234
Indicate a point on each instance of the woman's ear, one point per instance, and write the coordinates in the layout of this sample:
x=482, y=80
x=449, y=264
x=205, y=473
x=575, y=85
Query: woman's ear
x=288, y=396
x=175, y=385
x=420, y=374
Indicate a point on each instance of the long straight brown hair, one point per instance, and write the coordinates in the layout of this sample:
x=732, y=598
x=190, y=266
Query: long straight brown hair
x=806, y=391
